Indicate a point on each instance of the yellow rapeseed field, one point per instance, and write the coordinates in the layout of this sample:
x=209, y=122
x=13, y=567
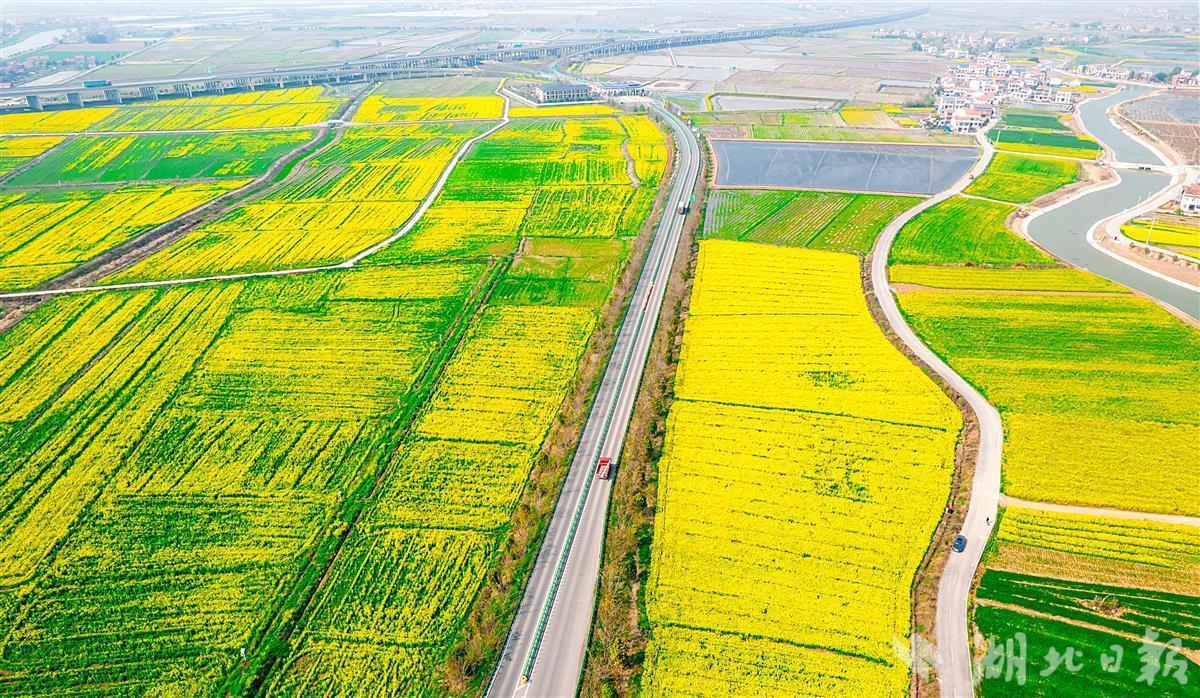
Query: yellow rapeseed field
x=352, y=195
x=69, y=121
x=806, y=464
x=44, y=234
x=267, y=109
x=28, y=147
x=1098, y=549
x=15, y=151
x=376, y=109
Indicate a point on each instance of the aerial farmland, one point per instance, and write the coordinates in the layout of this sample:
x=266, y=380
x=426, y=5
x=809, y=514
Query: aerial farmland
x=652, y=349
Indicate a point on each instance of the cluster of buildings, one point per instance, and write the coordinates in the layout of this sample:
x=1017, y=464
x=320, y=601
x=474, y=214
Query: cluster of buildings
x=1183, y=78
x=969, y=96
x=952, y=45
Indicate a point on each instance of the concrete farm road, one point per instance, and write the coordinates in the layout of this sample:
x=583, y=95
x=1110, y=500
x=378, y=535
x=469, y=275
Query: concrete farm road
x=546, y=646
x=953, y=651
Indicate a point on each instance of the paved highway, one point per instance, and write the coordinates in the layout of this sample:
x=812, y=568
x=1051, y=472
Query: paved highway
x=953, y=652
x=544, y=653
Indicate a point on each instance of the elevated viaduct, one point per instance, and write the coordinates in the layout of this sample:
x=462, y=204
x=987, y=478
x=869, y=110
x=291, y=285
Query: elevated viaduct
x=79, y=95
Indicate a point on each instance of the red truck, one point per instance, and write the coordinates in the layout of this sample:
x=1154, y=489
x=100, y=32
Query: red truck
x=604, y=468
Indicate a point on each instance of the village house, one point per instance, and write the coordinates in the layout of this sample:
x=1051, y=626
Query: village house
x=1189, y=199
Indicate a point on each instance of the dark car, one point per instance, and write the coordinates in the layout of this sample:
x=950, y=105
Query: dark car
x=959, y=544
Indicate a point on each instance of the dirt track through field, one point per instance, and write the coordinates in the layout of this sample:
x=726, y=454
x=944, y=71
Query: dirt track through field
x=909, y=288
x=1006, y=501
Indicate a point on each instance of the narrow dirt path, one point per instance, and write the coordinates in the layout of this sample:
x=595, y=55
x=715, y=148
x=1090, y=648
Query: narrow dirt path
x=1006, y=501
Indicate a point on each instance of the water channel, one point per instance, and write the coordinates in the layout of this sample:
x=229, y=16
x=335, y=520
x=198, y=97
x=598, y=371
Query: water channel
x=1063, y=231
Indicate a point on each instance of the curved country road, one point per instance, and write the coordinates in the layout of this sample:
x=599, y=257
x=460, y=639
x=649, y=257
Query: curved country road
x=953, y=650
x=1062, y=230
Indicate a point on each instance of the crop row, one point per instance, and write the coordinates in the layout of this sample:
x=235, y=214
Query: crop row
x=790, y=521
x=1173, y=615
x=1121, y=552
x=827, y=220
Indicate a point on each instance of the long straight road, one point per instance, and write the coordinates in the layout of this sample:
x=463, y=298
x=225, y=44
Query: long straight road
x=544, y=653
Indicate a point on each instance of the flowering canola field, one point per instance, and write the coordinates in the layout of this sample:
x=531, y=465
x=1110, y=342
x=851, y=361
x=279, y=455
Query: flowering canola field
x=377, y=109
x=806, y=463
x=1094, y=583
x=272, y=395
x=563, y=178
x=16, y=151
x=96, y=159
x=399, y=595
x=350, y=196
x=1020, y=179
x=962, y=230
x=69, y=121
x=45, y=233
x=181, y=462
x=1096, y=390
x=298, y=106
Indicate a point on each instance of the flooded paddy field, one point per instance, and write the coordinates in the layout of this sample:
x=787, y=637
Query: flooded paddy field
x=866, y=167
